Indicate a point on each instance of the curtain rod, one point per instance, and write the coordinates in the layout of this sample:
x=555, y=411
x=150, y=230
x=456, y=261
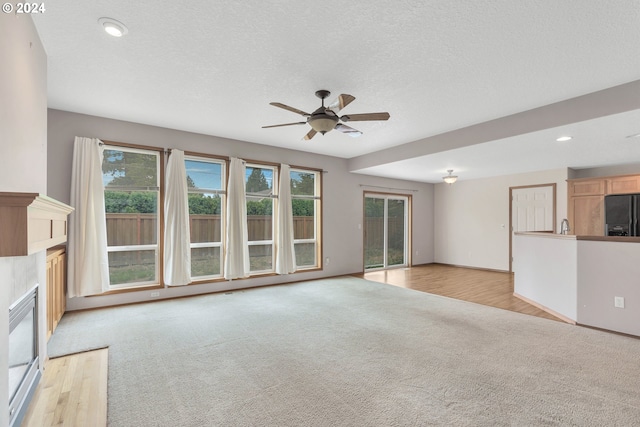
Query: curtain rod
x=390, y=188
x=168, y=151
x=134, y=146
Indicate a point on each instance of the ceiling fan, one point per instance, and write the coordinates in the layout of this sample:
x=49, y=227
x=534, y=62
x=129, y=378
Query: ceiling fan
x=325, y=119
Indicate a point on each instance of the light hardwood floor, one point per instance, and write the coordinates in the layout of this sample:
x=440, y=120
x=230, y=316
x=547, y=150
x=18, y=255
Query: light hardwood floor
x=72, y=392
x=492, y=288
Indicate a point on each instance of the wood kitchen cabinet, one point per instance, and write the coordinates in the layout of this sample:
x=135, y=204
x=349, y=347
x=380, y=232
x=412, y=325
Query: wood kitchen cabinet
x=590, y=187
x=56, y=287
x=586, y=215
x=586, y=206
x=586, y=201
x=623, y=184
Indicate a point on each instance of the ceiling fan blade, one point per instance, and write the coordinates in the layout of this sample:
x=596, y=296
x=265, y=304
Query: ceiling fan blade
x=286, y=107
x=286, y=124
x=354, y=133
x=341, y=102
x=364, y=117
x=310, y=135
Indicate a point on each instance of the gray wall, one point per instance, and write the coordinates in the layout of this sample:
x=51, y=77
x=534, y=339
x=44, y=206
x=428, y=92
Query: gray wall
x=342, y=196
x=607, y=270
x=629, y=169
x=23, y=153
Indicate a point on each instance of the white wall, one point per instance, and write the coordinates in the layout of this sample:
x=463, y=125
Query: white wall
x=23, y=103
x=342, y=195
x=472, y=217
x=23, y=154
x=546, y=271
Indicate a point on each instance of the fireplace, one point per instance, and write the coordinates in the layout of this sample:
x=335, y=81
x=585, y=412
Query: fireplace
x=23, y=354
x=30, y=223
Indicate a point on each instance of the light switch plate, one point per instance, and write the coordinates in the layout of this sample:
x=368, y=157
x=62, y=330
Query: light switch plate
x=618, y=302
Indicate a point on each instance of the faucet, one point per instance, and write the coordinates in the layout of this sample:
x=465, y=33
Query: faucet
x=564, y=226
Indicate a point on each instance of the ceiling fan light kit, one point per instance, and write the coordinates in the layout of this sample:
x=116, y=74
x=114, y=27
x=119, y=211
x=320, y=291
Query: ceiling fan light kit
x=323, y=124
x=450, y=179
x=325, y=119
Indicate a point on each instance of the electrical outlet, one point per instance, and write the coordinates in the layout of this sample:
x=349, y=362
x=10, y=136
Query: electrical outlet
x=618, y=302
x=327, y=260
x=155, y=294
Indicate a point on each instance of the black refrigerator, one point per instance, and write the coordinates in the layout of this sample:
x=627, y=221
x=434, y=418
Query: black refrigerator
x=621, y=214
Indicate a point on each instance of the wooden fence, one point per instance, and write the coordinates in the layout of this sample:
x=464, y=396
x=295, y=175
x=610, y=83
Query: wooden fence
x=140, y=229
x=374, y=232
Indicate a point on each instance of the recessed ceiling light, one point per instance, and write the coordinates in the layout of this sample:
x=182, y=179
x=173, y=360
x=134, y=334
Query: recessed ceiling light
x=564, y=138
x=635, y=135
x=113, y=27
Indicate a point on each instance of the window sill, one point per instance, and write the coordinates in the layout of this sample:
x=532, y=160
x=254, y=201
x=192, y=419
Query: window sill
x=129, y=289
x=198, y=282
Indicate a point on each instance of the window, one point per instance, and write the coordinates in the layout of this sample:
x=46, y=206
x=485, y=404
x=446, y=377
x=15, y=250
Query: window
x=132, y=181
x=305, y=198
x=260, y=196
x=206, y=180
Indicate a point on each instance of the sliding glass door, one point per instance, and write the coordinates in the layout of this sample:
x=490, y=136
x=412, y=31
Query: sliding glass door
x=386, y=231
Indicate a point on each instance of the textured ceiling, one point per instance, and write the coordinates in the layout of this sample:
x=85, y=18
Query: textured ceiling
x=212, y=67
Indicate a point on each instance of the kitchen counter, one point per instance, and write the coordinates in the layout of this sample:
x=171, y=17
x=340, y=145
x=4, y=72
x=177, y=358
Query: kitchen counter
x=578, y=278
x=624, y=239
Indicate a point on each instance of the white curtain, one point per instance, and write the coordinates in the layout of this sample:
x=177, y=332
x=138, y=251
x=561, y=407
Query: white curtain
x=236, y=262
x=88, y=261
x=285, y=252
x=177, y=241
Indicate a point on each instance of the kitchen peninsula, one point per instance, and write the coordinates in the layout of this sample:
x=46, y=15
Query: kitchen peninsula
x=589, y=280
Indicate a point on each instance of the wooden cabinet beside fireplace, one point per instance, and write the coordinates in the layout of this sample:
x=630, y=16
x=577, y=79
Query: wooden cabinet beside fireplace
x=56, y=287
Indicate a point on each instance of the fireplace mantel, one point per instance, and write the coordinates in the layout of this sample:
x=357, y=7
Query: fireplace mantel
x=31, y=222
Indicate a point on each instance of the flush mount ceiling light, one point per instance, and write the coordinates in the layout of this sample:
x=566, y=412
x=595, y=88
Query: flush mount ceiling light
x=450, y=179
x=113, y=27
x=564, y=138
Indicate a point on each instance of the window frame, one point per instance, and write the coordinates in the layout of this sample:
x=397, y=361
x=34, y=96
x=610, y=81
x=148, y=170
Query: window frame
x=159, y=245
x=224, y=162
x=317, y=217
x=274, y=209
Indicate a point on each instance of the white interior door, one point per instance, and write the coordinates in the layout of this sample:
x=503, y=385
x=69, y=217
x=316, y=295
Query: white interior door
x=532, y=209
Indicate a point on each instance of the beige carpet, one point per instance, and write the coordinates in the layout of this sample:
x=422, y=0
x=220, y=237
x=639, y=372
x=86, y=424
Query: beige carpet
x=349, y=352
